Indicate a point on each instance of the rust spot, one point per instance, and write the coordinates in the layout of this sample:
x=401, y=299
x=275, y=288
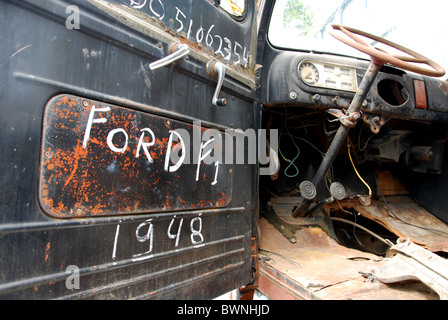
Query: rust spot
x=409, y=221
x=444, y=87
x=420, y=94
x=109, y=174
x=47, y=249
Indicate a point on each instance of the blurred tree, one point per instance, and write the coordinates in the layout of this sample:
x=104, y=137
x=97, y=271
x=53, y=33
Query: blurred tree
x=299, y=16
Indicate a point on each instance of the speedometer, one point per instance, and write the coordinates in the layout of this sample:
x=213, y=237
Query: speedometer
x=309, y=73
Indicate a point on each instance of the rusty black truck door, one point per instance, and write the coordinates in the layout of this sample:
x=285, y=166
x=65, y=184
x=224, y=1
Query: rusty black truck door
x=115, y=178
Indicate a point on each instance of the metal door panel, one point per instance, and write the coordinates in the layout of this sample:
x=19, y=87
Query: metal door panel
x=117, y=256
x=100, y=159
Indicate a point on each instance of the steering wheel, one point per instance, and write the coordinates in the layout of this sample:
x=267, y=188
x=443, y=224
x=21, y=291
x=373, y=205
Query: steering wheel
x=381, y=57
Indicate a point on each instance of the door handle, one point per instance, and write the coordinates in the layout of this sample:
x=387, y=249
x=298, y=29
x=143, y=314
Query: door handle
x=217, y=68
x=176, y=52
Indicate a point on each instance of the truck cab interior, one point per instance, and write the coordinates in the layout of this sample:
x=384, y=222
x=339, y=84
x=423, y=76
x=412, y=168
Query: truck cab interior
x=109, y=191
x=368, y=184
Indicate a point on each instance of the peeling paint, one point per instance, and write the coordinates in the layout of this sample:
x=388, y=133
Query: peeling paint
x=95, y=180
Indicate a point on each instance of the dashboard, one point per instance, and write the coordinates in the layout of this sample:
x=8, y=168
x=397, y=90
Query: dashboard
x=325, y=81
x=328, y=75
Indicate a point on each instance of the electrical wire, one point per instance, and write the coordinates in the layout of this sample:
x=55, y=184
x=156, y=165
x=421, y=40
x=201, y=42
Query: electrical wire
x=400, y=219
x=388, y=242
x=309, y=143
x=354, y=231
x=366, y=142
x=381, y=194
x=356, y=171
x=291, y=162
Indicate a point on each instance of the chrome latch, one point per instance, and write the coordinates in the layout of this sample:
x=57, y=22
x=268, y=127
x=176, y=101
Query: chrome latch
x=217, y=68
x=176, y=51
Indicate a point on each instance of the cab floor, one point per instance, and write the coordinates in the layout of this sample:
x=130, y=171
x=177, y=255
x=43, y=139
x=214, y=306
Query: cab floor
x=315, y=266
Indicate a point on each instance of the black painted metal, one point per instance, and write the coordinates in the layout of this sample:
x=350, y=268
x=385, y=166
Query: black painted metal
x=129, y=163
x=151, y=253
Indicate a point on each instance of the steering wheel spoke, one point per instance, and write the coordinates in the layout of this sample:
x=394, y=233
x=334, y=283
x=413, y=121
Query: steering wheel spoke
x=353, y=36
x=411, y=59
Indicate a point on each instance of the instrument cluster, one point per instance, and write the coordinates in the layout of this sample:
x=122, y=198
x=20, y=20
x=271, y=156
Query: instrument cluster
x=327, y=75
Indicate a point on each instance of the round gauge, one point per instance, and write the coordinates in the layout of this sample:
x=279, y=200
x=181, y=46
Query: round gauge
x=308, y=72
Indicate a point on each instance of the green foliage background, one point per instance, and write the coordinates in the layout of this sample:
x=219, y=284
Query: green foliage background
x=299, y=16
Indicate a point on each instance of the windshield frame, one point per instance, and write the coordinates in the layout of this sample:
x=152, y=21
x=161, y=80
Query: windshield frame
x=415, y=35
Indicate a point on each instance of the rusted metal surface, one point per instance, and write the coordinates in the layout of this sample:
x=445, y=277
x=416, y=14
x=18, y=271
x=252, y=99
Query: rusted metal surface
x=421, y=101
x=406, y=219
x=412, y=262
x=100, y=159
x=283, y=206
x=319, y=261
x=277, y=286
x=443, y=86
x=317, y=267
x=389, y=185
x=164, y=25
x=248, y=289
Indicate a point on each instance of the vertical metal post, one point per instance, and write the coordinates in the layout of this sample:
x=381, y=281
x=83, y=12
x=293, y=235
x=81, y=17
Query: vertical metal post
x=341, y=134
